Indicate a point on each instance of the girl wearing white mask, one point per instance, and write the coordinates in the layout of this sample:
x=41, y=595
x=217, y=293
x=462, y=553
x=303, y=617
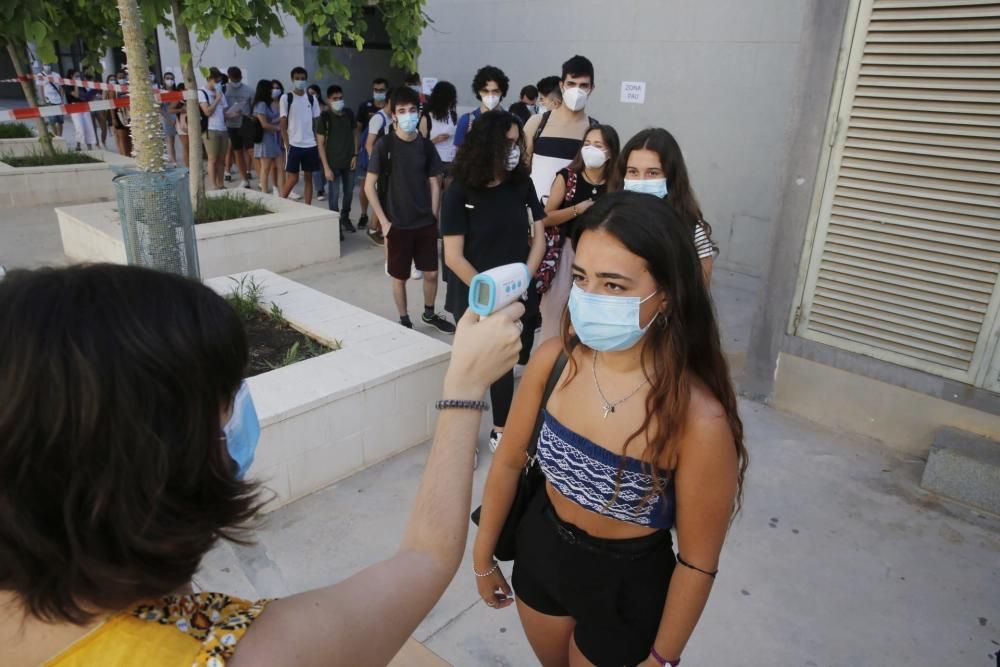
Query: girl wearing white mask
x=652, y=163
x=574, y=190
x=633, y=420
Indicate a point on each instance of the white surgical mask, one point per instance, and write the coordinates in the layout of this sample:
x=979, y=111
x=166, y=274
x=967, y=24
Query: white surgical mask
x=607, y=323
x=575, y=99
x=337, y=105
x=169, y=83
x=593, y=157
x=513, y=158
x=300, y=84
x=491, y=102
x=47, y=69
x=649, y=186
x=275, y=93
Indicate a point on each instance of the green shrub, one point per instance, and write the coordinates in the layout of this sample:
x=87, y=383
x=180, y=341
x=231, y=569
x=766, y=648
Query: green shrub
x=15, y=131
x=228, y=207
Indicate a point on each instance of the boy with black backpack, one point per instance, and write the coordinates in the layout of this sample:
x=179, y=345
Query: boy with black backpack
x=299, y=111
x=403, y=189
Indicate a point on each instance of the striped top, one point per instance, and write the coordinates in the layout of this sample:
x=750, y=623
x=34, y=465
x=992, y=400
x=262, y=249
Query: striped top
x=702, y=243
x=585, y=473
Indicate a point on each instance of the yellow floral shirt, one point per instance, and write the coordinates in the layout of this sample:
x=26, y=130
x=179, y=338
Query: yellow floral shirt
x=200, y=630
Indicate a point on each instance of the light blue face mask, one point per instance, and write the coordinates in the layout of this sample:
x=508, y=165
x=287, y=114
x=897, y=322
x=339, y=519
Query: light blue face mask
x=649, y=186
x=407, y=122
x=300, y=84
x=242, y=431
x=607, y=323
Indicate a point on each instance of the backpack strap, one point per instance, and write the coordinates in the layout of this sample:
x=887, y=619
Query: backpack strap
x=550, y=385
x=541, y=126
x=570, y=186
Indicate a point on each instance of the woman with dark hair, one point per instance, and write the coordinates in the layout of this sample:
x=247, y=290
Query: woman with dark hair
x=485, y=224
x=83, y=126
x=180, y=109
x=269, y=147
x=126, y=429
x=640, y=434
x=439, y=120
x=121, y=119
x=574, y=190
x=277, y=92
x=652, y=163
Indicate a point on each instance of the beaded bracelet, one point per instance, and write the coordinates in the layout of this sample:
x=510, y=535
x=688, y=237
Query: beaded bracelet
x=663, y=661
x=456, y=404
x=488, y=572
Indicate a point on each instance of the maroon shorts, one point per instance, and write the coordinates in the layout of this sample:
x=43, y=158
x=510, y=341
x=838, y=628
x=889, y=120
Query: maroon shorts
x=406, y=247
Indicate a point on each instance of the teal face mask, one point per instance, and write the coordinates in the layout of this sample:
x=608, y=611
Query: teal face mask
x=242, y=431
x=649, y=186
x=407, y=122
x=607, y=323
x=300, y=85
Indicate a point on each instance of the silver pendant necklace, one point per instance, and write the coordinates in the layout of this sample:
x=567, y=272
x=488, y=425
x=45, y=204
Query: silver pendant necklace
x=609, y=407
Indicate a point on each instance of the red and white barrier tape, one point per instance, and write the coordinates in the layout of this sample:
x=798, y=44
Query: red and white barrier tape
x=39, y=79
x=81, y=107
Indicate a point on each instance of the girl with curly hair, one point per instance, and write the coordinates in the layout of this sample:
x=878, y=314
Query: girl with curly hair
x=485, y=224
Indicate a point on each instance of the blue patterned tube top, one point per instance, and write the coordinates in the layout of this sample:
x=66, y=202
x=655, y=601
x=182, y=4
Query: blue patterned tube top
x=585, y=473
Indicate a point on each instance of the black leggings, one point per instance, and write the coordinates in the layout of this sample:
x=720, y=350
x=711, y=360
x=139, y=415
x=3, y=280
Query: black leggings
x=502, y=391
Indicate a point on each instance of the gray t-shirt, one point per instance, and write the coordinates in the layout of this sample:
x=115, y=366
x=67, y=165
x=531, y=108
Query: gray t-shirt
x=410, y=164
x=238, y=96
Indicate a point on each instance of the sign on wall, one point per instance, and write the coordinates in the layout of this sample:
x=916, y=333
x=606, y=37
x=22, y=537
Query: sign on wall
x=633, y=92
x=429, y=82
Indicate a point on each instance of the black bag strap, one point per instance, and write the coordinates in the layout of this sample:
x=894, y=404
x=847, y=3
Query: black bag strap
x=550, y=385
x=541, y=126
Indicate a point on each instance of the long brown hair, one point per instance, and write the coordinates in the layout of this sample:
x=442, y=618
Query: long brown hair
x=682, y=344
x=680, y=193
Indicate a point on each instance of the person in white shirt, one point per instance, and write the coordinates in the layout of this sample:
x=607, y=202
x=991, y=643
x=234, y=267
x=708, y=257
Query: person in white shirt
x=298, y=111
x=214, y=105
x=52, y=96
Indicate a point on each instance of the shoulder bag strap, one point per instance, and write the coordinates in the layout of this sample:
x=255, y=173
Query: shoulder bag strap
x=541, y=126
x=550, y=386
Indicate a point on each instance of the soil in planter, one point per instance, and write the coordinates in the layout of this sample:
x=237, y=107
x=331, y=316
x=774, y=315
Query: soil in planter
x=228, y=207
x=274, y=344
x=42, y=160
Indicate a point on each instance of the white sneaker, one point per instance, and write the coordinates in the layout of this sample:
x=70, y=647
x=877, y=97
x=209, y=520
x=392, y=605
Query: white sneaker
x=387, y=269
x=243, y=184
x=475, y=459
x=416, y=275
x=321, y=197
x=495, y=439
x=294, y=196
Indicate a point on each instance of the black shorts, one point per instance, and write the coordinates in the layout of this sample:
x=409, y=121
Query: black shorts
x=236, y=139
x=416, y=247
x=615, y=590
x=302, y=159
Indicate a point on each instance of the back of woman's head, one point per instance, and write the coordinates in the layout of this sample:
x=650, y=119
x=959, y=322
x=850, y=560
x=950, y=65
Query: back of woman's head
x=114, y=477
x=685, y=341
x=482, y=157
x=679, y=190
x=441, y=105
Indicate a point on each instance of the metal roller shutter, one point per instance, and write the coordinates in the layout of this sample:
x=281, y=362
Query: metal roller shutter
x=906, y=259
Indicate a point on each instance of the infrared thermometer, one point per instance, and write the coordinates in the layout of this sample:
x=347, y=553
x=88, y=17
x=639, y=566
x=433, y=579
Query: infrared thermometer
x=497, y=288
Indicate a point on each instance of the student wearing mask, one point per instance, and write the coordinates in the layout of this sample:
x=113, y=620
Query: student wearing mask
x=439, y=121
x=338, y=138
x=652, y=163
x=182, y=126
x=299, y=111
x=527, y=106
x=239, y=95
x=380, y=125
x=555, y=137
x=403, y=189
x=490, y=217
x=121, y=470
x=121, y=119
x=268, y=149
x=278, y=173
x=83, y=127
x=639, y=434
x=414, y=83
x=490, y=86
x=574, y=190
x=549, y=94
x=103, y=118
x=319, y=180
x=168, y=111
x=380, y=92
x=53, y=96
x=214, y=105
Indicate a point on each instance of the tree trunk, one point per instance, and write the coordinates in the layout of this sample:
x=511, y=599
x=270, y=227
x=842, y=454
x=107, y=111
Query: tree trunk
x=196, y=167
x=147, y=124
x=28, y=88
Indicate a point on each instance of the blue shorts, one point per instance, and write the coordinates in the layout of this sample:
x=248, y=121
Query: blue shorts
x=302, y=159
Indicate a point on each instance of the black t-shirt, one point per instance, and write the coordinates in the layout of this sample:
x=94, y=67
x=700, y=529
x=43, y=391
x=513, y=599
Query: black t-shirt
x=496, y=227
x=584, y=191
x=410, y=164
x=365, y=111
x=521, y=110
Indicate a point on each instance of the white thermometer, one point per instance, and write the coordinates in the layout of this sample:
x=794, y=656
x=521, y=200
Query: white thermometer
x=497, y=288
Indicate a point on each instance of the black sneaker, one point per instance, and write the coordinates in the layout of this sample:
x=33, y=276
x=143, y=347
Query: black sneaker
x=345, y=224
x=342, y=236
x=405, y=321
x=439, y=323
x=362, y=222
x=375, y=236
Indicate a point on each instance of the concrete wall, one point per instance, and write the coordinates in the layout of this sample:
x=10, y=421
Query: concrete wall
x=363, y=67
x=725, y=76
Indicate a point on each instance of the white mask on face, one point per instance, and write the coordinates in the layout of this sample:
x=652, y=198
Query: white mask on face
x=513, y=158
x=593, y=157
x=491, y=102
x=575, y=99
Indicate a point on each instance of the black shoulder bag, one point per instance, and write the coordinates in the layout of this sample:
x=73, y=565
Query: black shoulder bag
x=531, y=478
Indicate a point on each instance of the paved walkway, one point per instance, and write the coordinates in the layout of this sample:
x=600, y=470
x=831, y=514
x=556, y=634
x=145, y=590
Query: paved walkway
x=838, y=559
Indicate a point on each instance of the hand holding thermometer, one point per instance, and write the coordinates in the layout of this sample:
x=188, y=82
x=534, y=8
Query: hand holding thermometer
x=497, y=288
